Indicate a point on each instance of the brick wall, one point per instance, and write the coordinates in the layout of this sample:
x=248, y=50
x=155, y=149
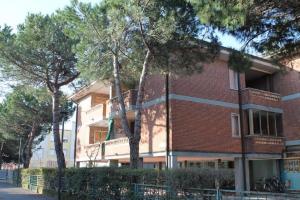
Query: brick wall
x=288, y=83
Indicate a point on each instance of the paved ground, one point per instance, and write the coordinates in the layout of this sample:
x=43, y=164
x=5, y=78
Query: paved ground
x=10, y=192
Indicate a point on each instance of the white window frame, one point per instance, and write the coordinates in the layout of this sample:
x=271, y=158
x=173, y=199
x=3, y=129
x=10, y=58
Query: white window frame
x=233, y=79
x=233, y=115
x=251, y=123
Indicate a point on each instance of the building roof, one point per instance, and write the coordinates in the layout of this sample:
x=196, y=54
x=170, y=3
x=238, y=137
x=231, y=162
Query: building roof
x=100, y=87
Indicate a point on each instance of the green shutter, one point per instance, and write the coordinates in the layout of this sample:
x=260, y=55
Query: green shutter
x=110, y=128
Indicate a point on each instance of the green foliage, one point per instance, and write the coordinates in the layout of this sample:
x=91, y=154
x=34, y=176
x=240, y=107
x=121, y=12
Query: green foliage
x=40, y=53
x=226, y=14
x=22, y=108
x=170, y=29
x=239, y=62
x=114, y=183
x=271, y=27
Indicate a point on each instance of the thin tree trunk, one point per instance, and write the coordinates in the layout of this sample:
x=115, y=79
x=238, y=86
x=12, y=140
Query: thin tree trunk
x=57, y=142
x=28, y=149
x=1, y=152
x=23, y=150
x=119, y=93
x=135, y=140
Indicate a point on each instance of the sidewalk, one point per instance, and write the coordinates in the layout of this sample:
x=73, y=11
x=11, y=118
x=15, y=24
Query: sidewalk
x=10, y=192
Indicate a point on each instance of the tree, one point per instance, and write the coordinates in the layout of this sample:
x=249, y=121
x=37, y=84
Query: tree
x=26, y=114
x=124, y=41
x=41, y=53
x=271, y=27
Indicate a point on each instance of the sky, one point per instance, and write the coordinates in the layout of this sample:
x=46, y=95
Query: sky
x=14, y=12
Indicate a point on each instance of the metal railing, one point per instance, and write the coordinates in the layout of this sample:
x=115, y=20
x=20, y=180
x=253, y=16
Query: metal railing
x=35, y=183
x=145, y=192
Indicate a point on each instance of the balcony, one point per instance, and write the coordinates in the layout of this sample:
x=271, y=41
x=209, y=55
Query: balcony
x=129, y=99
x=116, y=147
x=94, y=151
x=261, y=97
x=264, y=144
x=96, y=116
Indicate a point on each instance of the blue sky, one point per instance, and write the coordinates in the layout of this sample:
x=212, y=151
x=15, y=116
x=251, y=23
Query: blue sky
x=14, y=12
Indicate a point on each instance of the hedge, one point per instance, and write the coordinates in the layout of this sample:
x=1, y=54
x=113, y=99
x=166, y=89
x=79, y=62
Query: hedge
x=117, y=183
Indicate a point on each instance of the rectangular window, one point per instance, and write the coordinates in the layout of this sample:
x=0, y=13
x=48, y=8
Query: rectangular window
x=233, y=79
x=256, y=122
x=279, y=126
x=272, y=124
x=235, y=125
x=266, y=123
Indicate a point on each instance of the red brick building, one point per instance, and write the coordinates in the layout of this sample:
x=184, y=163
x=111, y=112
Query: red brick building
x=204, y=120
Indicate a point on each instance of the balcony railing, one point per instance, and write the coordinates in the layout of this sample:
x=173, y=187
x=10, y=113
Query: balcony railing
x=96, y=115
x=116, y=147
x=129, y=99
x=273, y=140
x=261, y=97
x=266, y=144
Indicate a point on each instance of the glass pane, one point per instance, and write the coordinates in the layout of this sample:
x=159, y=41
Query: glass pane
x=279, y=124
x=272, y=128
x=264, y=122
x=256, y=123
x=235, y=125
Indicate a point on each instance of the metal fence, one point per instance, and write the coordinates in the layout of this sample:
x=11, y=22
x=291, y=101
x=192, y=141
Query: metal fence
x=147, y=192
x=8, y=176
x=156, y=192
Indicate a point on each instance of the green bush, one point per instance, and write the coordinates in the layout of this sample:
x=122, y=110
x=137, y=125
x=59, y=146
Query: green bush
x=117, y=183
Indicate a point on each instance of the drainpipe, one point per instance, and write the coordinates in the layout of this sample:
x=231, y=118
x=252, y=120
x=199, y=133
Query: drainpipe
x=242, y=131
x=167, y=119
x=76, y=126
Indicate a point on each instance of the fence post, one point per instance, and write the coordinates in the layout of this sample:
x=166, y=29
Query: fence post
x=135, y=191
x=218, y=194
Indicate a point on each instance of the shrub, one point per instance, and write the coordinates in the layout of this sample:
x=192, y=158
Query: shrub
x=117, y=183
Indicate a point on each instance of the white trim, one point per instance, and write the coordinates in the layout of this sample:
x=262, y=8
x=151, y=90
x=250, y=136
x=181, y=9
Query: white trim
x=232, y=125
x=233, y=79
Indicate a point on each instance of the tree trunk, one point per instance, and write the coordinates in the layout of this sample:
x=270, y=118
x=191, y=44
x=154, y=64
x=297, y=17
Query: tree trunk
x=134, y=153
x=1, y=152
x=134, y=145
x=55, y=123
x=119, y=93
x=28, y=148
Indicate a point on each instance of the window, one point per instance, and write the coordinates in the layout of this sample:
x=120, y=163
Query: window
x=235, y=125
x=97, y=135
x=272, y=124
x=265, y=123
x=256, y=122
x=233, y=79
x=279, y=126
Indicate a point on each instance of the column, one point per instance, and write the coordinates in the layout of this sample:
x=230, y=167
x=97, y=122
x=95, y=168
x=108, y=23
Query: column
x=238, y=174
x=173, y=164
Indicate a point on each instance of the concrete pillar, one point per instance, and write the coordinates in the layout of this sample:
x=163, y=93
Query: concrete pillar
x=173, y=164
x=238, y=173
x=113, y=163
